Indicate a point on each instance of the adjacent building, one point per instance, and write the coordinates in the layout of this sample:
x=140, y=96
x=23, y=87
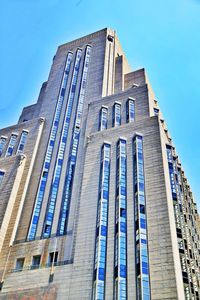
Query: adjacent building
x=94, y=202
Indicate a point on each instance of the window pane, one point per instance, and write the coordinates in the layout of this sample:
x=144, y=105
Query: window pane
x=20, y=263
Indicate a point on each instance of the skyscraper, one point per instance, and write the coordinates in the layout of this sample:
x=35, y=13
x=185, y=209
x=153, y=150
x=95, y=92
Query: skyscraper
x=94, y=202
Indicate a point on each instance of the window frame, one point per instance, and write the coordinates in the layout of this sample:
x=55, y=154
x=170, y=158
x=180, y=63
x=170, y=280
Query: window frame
x=20, y=141
x=2, y=174
x=115, y=124
x=11, y=145
x=5, y=138
x=128, y=119
x=33, y=265
x=101, y=128
x=18, y=260
x=53, y=259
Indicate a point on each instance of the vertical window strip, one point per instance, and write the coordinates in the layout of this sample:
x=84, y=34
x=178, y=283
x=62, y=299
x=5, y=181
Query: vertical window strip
x=49, y=152
x=64, y=212
x=11, y=145
x=182, y=231
x=171, y=172
x=117, y=115
x=22, y=142
x=130, y=110
x=120, y=271
x=102, y=226
x=141, y=240
x=2, y=144
x=103, y=118
x=60, y=155
x=2, y=173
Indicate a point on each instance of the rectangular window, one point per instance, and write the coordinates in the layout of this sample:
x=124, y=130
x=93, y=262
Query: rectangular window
x=171, y=172
x=156, y=111
x=50, y=148
x=102, y=224
x=11, y=145
x=71, y=164
x=62, y=145
x=117, y=114
x=130, y=110
x=53, y=257
x=2, y=144
x=36, y=261
x=120, y=268
x=22, y=142
x=141, y=238
x=2, y=173
x=20, y=263
x=179, y=187
x=103, y=118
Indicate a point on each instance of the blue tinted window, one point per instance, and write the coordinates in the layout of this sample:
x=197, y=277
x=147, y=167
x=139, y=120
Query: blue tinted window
x=120, y=223
x=141, y=222
x=117, y=115
x=74, y=149
x=130, y=110
x=156, y=111
x=102, y=223
x=49, y=152
x=22, y=142
x=103, y=118
x=2, y=144
x=2, y=173
x=11, y=145
x=60, y=155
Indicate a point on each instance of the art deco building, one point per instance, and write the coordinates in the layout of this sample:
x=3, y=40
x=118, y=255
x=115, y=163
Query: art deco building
x=94, y=203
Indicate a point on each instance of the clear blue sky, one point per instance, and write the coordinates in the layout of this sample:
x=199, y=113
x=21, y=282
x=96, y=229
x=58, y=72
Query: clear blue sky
x=162, y=36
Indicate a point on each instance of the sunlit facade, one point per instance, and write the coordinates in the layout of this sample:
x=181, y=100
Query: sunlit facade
x=94, y=202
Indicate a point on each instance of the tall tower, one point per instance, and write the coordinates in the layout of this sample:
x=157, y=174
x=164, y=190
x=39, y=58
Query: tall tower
x=94, y=203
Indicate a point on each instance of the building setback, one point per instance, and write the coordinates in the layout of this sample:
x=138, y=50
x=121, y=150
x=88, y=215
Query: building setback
x=94, y=203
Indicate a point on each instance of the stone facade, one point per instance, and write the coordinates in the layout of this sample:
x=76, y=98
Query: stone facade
x=71, y=275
